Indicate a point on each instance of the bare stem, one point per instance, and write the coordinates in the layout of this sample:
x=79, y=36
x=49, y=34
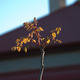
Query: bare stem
x=42, y=63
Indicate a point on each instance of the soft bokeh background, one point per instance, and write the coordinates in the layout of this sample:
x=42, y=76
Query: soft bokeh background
x=15, y=12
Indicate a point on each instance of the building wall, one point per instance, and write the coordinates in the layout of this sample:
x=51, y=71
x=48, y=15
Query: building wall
x=33, y=63
x=58, y=66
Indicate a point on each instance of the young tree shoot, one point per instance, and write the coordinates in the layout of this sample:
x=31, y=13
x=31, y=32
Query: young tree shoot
x=40, y=41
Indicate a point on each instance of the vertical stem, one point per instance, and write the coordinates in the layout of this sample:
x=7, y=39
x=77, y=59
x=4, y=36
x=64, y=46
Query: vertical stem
x=42, y=63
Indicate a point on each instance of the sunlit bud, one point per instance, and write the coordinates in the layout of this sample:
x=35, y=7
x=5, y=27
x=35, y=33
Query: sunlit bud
x=54, y=34
x=34, y=18
x=25, y=49
x=53, y=38
x=13, y=48
x=19, y=49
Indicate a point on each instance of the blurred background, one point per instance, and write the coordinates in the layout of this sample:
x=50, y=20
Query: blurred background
x=14, y=13
x=62, y=61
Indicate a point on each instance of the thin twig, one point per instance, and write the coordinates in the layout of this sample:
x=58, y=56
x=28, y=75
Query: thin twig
x=42, y=63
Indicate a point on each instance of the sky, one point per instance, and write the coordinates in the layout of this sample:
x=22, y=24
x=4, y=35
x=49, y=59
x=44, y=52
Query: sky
x=13, y=13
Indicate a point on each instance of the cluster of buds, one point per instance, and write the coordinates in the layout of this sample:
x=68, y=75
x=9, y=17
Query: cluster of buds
x=35, y=32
